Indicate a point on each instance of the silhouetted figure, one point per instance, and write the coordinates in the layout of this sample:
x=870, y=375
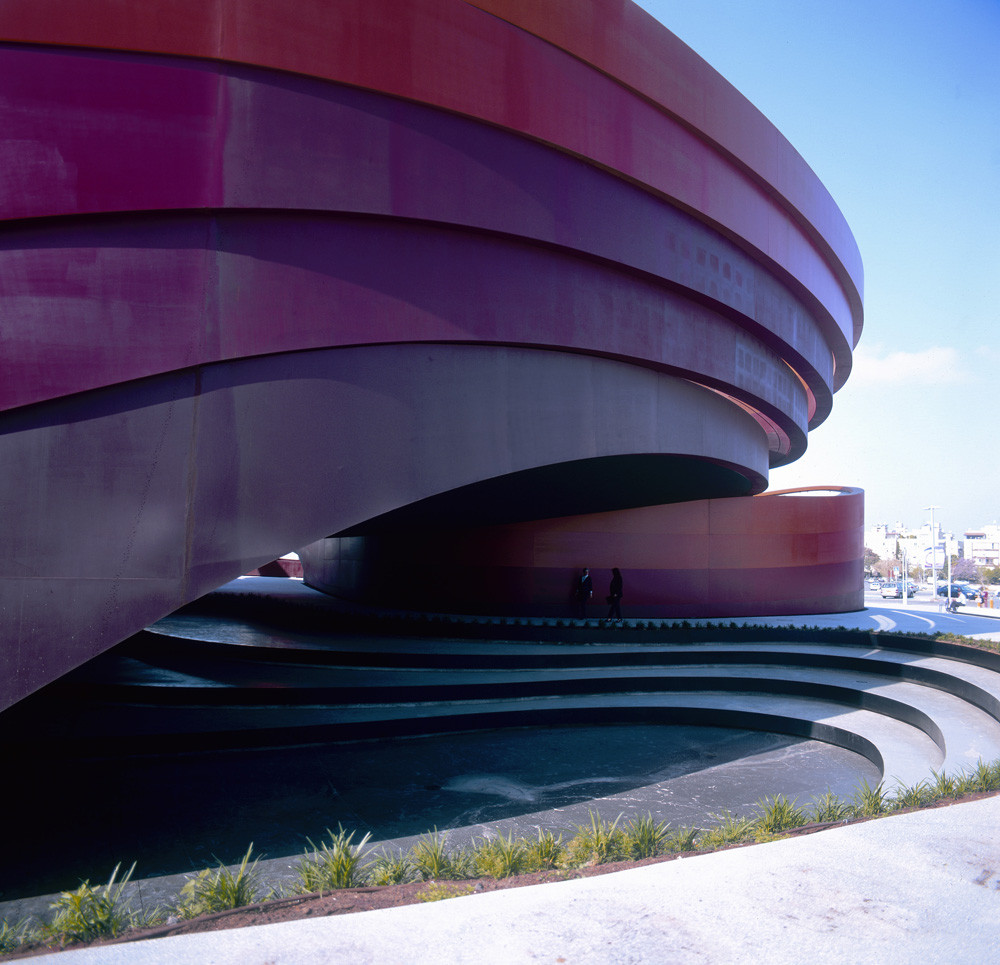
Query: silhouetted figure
x=582, y=593
x=615, y=595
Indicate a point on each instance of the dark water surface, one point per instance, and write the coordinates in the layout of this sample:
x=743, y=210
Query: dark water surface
x=76, y=819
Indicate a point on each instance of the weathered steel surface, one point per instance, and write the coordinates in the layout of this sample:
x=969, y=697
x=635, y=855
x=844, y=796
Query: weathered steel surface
x=442, y=261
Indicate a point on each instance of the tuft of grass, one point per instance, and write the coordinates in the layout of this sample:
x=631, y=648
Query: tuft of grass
x=869, y=802
x=942, y=785
x=683, y=839
x=339, y=864
x=829, y=808
x=987, y=775
x=777, y=814
x=432, y=860
x=90, y=912
x=731, y=829
x=914, y=796
x=645, y=838
x=220, y=890
x=392, y=868
x=545, y=853
x=597, y=843
x=16, y=936
x=965, y=783
x=501, y=857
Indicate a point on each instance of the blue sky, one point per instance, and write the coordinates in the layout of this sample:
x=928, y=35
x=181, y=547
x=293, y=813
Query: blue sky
x=896, y=106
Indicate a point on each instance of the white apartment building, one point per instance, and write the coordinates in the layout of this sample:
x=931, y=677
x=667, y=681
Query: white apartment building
x=982, y=546
x=920, y=545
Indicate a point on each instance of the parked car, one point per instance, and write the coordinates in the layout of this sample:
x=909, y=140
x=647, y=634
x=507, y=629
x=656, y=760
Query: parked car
x=874, y=584
x=894, y=589
x=962, y=590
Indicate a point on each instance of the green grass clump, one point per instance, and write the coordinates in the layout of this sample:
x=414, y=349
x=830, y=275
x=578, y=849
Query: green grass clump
x=433, y=861
x=964, y=784
x=646, y=838
x=870, y=802
x=682, y=840
x=830, y=808
x=221, y=890
x=778, y=814
x=89, y=912
x=597, y=843
x=942, y=785
x=502, y=857
x=987, y=775
x=546, y=852
x=339, y=864
x=18, y=935
x=731, y=829
x=914, y=796
x=392, y=868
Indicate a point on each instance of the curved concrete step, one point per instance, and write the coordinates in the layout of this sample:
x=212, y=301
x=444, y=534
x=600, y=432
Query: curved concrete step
x=949, y=692
x=909, y=711
x=902, y=751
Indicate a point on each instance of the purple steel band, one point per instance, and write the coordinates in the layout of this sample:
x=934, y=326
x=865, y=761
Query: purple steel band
x=243, y=244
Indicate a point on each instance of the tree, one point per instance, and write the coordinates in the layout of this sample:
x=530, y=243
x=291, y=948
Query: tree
x=963, y=569
x=884, y=568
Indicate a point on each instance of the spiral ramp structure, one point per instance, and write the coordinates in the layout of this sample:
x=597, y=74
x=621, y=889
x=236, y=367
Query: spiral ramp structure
x=351, y=276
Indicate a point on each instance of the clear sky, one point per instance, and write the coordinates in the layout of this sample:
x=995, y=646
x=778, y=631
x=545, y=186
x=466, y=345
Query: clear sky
x=895, y=104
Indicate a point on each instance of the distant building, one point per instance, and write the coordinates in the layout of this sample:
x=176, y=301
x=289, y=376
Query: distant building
x=983, y=546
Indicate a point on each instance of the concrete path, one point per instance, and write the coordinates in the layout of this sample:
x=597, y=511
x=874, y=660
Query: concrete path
x=920, y=614
x=921, y=887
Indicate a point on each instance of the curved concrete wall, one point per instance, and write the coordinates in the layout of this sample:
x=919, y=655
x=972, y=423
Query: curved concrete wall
x=453, y=262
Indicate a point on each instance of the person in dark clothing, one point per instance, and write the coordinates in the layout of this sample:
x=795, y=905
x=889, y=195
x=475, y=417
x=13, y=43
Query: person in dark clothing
x=615, y=595
x=582, y=593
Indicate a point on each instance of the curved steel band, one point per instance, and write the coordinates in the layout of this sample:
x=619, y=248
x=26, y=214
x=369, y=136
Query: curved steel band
x=272, y=275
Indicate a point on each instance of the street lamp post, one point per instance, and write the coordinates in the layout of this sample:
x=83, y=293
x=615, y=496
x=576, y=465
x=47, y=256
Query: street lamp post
x=906, y=580
x=933, y=550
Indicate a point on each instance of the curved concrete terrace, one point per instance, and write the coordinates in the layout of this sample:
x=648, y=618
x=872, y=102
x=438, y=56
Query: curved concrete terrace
x=909, y=705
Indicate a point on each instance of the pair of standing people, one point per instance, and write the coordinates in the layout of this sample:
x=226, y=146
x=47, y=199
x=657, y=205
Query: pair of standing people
x=585, y=590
